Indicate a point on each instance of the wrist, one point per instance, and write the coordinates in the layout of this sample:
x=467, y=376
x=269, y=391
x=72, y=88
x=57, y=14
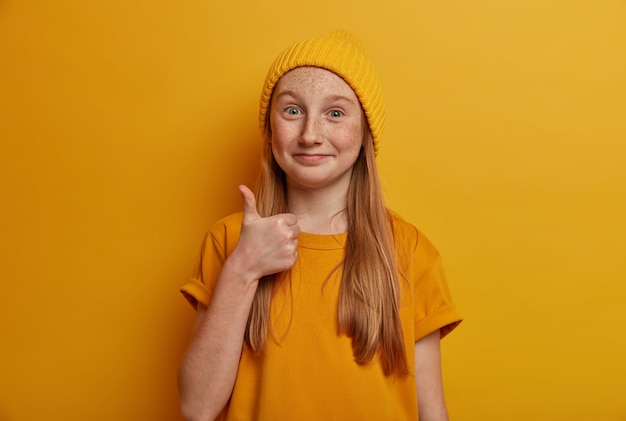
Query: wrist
x=239, y=268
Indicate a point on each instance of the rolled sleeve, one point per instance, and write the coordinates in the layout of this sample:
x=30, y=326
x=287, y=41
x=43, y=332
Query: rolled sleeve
x=434, y=308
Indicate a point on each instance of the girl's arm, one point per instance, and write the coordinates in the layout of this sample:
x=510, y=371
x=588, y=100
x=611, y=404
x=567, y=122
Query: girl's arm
x=209, y=368
x=430, y=399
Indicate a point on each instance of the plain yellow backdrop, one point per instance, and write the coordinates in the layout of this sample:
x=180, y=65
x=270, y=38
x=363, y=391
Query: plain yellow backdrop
x=125, y=127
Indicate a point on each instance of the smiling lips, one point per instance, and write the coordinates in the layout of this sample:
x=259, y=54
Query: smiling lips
x=310, y=157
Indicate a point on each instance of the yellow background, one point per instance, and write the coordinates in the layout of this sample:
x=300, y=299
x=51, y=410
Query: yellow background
x=126, y=126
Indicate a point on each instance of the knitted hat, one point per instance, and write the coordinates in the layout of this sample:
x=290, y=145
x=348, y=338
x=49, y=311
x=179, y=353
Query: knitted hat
x=341, y=53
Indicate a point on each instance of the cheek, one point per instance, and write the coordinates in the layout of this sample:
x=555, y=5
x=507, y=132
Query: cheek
x=279, y=143
x=277, y=139
x=281, y=133
x=353, y=137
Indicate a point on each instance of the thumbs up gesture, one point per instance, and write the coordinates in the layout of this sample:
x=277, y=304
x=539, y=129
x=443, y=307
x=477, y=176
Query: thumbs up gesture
x=266, y=245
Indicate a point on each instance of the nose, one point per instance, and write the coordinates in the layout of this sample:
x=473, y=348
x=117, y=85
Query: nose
x=311, y=131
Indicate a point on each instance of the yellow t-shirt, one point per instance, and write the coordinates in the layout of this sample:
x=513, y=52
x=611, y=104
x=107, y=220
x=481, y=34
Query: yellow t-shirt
x=308, y=371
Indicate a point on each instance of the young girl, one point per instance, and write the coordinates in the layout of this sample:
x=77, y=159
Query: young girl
x=316, y=302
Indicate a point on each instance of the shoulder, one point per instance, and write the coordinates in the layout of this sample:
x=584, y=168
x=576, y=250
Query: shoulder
x=412, y=242
x=225, y=232
x=231, y=222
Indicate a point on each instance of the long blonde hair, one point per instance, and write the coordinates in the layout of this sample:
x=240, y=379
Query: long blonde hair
x=368, y=308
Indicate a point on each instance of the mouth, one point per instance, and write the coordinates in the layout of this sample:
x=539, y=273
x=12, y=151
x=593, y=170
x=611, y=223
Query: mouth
x=309, y=157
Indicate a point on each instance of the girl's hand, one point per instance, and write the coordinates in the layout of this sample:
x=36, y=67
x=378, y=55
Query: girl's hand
x=266, y=245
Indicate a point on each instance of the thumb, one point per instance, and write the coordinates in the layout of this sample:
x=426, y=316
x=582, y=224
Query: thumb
x=250, y=212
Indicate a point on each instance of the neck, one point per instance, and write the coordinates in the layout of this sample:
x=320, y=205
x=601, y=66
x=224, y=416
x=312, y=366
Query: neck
x=319, y=211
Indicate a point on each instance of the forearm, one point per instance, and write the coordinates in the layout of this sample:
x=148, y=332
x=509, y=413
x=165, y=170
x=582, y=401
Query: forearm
x=209, y=368
x=430, y=397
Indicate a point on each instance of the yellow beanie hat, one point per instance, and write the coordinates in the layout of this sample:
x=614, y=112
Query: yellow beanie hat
x=341, y=53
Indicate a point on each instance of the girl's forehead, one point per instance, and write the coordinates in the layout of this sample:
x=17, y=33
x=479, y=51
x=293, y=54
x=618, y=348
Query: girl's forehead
x=313, y=79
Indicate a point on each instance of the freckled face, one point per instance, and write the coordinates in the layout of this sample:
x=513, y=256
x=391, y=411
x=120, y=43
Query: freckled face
x=317, y=128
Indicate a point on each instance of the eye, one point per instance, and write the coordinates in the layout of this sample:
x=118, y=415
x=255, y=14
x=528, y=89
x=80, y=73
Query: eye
x=292, y=111
x=335, y=113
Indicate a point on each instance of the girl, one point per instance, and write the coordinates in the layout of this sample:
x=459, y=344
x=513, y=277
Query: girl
x=316, y=302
